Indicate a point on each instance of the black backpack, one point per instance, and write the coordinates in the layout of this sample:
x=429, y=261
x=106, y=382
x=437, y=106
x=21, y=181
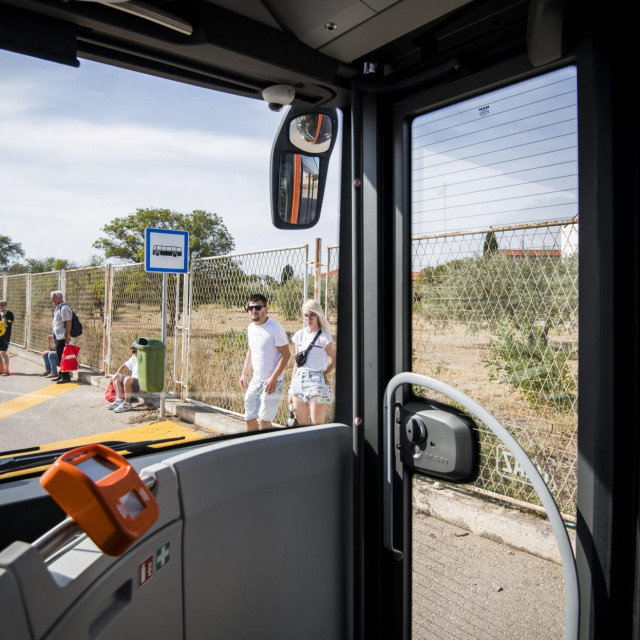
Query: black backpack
x=76, y=325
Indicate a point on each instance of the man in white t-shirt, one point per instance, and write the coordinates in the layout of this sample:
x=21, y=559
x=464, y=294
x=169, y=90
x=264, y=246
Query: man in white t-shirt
x=268, y=354
x=125, y=382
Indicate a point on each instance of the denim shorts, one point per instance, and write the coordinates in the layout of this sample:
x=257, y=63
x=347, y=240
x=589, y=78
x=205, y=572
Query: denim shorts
x=307, y=384
x=258, y=404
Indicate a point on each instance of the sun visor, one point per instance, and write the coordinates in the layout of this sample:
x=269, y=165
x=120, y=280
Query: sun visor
x=36, y=35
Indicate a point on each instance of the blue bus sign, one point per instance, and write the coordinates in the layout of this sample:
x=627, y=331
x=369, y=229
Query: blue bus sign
x=166, y=251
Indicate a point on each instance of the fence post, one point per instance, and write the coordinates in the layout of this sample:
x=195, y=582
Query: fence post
x=305, y=288
x=108, y=303
x=316, y=270
x=27, y=312
x=326, y=283
x=186, y=324
x=176, y=318
x=184, y=354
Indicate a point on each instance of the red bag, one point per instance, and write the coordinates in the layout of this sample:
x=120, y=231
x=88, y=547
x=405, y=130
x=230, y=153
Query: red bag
x=69, y=360
x=110, y=394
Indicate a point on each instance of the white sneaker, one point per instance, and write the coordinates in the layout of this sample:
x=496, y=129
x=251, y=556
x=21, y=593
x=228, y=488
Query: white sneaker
x=116, y=403
x=124, y=406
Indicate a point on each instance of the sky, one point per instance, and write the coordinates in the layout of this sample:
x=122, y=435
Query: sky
x=82, y=146
x=505, y=157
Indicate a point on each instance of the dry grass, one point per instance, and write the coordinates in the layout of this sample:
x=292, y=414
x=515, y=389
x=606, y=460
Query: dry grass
x=456, y=357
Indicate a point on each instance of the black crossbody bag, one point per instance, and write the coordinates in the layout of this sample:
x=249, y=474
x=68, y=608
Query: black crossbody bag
x=301, y=357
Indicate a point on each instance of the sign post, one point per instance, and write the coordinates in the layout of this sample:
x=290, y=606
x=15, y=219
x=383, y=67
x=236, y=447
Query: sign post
x=165, y=251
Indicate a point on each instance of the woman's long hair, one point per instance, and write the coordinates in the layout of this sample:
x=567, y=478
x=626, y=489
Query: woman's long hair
x=314, y=307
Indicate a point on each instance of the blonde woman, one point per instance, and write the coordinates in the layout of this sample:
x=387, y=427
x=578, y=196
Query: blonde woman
x=309, y=392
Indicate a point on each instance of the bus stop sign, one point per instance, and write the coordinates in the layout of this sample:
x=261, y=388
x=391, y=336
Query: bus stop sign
x=166, y=251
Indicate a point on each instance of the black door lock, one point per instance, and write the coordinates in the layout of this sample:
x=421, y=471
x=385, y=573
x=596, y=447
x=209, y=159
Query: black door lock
x=437, y=442
x=416, y=431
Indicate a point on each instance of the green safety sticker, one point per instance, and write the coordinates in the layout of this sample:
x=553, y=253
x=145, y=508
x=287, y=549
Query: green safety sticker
x=163, y=556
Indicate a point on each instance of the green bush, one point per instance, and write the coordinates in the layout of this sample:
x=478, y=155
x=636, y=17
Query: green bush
x=529, y=364
x=289, y=298
x=487, y=290
x=231, y=342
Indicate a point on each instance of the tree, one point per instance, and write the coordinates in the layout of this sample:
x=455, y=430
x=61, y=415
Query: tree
x=40, y=265
x=490, y=243
x=287, y=272
x=95, y=260
x=9, y=251
x=124, y=237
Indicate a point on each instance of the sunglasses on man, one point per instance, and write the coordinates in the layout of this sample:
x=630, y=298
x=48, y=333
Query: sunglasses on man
x=255, y=307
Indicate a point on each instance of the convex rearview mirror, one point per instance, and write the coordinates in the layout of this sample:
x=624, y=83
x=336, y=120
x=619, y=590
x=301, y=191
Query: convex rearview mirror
x=299, y=165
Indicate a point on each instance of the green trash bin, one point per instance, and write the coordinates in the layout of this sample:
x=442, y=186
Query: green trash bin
x=151, y=364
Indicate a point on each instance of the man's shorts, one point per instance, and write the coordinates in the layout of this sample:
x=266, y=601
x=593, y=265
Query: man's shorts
x=307, y=384
x=258, y=404
x=136, y=385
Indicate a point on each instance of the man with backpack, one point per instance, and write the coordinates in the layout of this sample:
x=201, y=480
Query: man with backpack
x=61, y=331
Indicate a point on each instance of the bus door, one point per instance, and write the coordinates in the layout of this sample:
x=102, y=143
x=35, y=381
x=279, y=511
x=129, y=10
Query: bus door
x=486, y=227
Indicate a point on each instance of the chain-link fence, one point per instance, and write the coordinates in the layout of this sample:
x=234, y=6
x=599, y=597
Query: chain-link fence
x=40, y=308
x=495, y=314
x=15, y=291
x=135, y=311
x=85, y=292
x=206, y=333
x=330, y=286
x=218, y=321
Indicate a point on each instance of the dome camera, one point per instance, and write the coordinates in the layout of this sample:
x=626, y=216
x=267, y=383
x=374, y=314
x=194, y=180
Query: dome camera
x=278, y=95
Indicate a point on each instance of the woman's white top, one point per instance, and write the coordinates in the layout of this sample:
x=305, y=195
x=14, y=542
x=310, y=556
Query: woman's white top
x=317, y=358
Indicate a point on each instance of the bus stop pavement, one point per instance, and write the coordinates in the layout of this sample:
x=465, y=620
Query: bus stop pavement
x=202, y=416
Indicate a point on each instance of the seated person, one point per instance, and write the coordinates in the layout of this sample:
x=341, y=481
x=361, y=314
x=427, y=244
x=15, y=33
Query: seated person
x=50, y=358
x=125, y=384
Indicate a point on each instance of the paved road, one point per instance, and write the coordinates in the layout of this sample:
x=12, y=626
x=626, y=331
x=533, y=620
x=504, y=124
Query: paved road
x=34, y=410
x=467, y=587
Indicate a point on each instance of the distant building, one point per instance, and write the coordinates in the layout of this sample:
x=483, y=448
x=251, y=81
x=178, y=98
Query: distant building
x=570, y=240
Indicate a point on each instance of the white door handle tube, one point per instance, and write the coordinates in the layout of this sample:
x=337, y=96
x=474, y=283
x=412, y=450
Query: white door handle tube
x=572, y=604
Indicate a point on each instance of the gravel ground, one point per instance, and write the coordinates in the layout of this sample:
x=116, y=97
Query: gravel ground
x=468, y=587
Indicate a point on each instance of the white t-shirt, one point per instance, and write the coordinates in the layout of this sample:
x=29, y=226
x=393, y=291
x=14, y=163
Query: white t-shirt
x=264, y=340
x=132, y=365
x=317, y=358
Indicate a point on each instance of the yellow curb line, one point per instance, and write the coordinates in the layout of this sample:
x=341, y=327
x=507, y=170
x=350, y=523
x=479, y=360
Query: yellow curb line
x=11, y=407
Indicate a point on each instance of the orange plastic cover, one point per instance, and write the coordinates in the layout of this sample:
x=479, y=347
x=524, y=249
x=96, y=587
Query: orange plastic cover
x=103, y=494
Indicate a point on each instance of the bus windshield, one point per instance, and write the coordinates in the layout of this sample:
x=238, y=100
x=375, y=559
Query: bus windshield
x=92, y=157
